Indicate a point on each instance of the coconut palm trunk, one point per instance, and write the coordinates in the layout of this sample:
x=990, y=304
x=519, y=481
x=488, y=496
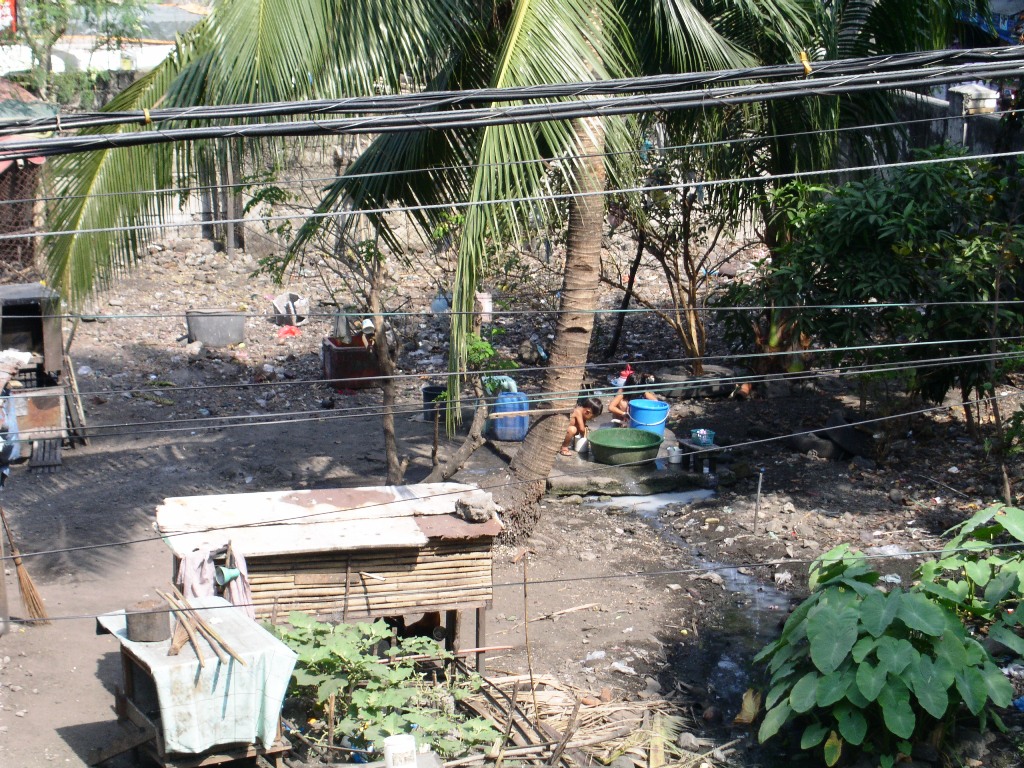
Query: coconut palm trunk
x=529, y=470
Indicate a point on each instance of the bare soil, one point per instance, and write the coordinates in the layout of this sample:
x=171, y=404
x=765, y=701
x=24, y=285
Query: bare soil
x=609, y=598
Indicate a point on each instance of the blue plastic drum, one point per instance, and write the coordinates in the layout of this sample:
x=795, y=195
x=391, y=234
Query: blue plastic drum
x=511, y=428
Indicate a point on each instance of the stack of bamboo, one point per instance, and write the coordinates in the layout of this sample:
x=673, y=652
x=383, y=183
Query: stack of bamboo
x=579, y=728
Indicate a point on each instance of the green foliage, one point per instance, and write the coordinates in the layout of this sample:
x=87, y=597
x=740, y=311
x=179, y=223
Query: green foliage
x=853, y=660
x=980, y=572
x=941, y=237
x=376, y=699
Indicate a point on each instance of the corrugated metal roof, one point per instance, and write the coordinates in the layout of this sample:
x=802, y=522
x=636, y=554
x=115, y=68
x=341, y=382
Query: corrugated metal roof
x=18, y=103
x=322, y=520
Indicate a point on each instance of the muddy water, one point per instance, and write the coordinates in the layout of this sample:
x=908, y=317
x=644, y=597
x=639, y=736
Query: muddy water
x=716, y=664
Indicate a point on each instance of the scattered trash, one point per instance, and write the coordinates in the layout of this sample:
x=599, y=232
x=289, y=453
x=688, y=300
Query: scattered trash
x=954, y=470
x=889, y=550
x=595, y=656
x=892, y=578
x=625, y=669
x=290, y=309
x=288, y=332
x=711, y=576
x=782, y=578
x=84, y=370
x=1019, y=704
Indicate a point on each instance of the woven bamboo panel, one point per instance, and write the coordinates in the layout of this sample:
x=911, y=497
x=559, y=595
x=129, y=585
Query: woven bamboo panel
x=347, y=585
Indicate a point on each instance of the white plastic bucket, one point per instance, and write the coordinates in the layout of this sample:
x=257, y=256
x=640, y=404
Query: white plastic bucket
x=400, y=751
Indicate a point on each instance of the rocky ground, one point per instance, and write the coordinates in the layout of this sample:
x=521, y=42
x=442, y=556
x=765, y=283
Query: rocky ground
x=613, y=596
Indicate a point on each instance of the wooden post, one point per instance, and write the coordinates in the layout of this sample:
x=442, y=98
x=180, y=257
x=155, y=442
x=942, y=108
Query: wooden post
x=481, y=638
x=5, y=613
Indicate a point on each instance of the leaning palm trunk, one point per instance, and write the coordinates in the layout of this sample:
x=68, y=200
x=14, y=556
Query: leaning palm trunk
x=532, y=464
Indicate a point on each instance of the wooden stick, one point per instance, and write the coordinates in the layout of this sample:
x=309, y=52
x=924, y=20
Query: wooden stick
x=538, y=412
x=199, y=620
x=508, y=726
x=201, y=628
x=570, y=729
x=184, y=621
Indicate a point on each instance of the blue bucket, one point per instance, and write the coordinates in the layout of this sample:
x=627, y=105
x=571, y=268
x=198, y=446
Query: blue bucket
x=649, y=415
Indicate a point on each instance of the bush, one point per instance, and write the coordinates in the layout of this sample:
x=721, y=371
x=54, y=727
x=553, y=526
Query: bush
x=375, y=699
x=858, y=666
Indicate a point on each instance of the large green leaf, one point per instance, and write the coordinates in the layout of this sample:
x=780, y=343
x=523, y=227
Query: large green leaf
x=896, y=710
x=833, y=749
x=833, y=687
x=1012, y=519
x=832, y=634
x=802, y=697
x=774, y=719
x=852, y=724
x=1000, y=690
x=1007, y=637
x=812, y=735
x=920, y=613
x=878, y=610
x=973, y=688
x=870, y=679
x=895, y=654
x=930, y=681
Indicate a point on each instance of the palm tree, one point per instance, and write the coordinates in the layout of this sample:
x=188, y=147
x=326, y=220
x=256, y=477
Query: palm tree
x=273, y=50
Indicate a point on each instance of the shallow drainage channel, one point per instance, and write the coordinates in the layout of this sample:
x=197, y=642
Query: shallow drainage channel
x=719, y=662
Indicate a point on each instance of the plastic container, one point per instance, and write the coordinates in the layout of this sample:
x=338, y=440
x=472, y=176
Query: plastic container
x=702, y=436
x=400, y=751
x=215, y=327
x=675, y=455
x=623, y=446
x=351, y=365
x=649, y=415
x=430, y=405
x=511, y=428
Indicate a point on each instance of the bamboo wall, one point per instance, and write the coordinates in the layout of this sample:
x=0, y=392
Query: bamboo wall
x=344, y=586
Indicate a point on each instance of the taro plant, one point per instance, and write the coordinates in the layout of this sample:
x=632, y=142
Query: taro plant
x=980, y=572
x=861, y=668
x=372, y=695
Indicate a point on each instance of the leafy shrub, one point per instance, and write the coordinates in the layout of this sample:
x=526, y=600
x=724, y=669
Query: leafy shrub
x=979, y=579
x=872, y=669
x=375, y=699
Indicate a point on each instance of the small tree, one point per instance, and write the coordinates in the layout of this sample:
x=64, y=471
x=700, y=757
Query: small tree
x=41, y=23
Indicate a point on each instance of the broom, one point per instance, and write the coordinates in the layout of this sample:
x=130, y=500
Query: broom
x=29, y=594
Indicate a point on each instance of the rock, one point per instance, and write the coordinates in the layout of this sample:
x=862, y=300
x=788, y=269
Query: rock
x=622, y=762
x=574, y=499
x=789, y=508
x=476, y=510
x=587, y=556
x=194, y=349
x=896, y=496
x=688, y=741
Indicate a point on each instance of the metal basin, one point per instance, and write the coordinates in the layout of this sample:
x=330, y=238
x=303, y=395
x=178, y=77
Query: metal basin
x=623, y=445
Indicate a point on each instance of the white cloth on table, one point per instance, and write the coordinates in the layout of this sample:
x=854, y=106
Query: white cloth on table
x=195, y=574
x=218, y=704
x=238, y=591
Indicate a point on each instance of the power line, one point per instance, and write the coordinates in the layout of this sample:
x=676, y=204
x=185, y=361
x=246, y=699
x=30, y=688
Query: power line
x=684, y=571
x=993, y=67
x=755, y=139
x=670, y=187
x=966, y=61
x=507, y=484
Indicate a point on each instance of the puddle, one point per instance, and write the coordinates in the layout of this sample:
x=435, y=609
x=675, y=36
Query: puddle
x=719, y=664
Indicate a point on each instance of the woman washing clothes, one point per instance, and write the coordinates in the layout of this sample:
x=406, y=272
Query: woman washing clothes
x=635, y=387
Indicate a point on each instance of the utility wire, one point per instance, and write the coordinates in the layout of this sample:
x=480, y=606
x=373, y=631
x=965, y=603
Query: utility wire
x=744, y=356
x=660, y=573
x=220, y=423
x=965, y=62
x=1008, y=64
x=507, y=484
x=755, y=139
x=669, y=187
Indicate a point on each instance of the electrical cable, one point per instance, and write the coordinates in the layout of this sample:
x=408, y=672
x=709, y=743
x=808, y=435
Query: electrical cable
x=200, y=423
x=744, y=356
x=507, y=484
x=525, y=114
x=886, y=64
x=759, y=138
x=660, y=573
x=766, y=179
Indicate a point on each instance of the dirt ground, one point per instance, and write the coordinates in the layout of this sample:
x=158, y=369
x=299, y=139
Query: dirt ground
x=615, y=597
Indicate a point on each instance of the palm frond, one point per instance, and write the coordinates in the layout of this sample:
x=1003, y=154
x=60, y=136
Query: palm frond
x=103, y=213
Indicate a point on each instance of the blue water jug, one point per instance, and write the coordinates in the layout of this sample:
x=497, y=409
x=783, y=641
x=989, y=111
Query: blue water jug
x=511, y=428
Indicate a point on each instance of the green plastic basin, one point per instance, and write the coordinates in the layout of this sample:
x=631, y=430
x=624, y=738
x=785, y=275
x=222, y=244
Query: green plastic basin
x=623, y=445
